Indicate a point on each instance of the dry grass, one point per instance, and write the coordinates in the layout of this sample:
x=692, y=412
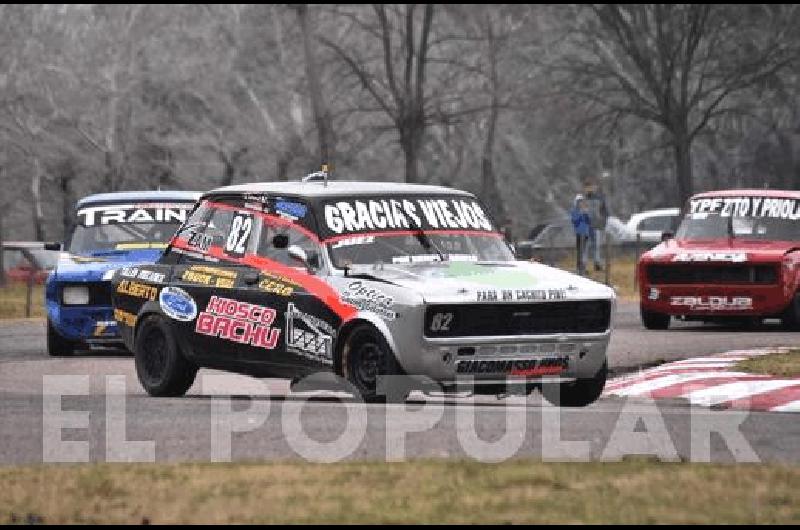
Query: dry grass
x=521, y=491
x=12, y=300
x=621, y=277
x=785, y=364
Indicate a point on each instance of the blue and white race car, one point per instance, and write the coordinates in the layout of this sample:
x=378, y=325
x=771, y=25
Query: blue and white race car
x=111, y=231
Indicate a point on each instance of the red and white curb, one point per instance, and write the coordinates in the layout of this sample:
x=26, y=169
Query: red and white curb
x=712, y=382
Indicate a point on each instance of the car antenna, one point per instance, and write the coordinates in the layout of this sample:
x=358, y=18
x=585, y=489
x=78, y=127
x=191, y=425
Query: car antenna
x=316, y=176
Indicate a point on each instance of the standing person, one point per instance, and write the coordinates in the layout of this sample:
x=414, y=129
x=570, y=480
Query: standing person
x=598, y=215
x=507, y=232
x=582, y=224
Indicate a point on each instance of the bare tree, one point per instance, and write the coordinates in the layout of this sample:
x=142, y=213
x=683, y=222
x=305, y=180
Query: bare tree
x=322, y=115
x=398, y=85
x=674, y=65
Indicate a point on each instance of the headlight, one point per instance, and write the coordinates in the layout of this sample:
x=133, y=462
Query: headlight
x=109, y=275
x=75, y=295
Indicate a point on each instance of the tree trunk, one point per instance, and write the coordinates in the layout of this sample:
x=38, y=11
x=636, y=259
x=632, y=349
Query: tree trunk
x=166, y=170
x=228, y=170
x=682, y=150
x=283, y=167
x=66, y=177
x=36, y=193
x=788, y=165
x=293, y=150
x=489, y=190
x=410, y=146
x=2, y=254
x=110, y=177
x=322, y=116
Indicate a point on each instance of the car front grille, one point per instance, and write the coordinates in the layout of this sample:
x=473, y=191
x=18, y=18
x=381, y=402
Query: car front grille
x=713, y=274
x=544, y=318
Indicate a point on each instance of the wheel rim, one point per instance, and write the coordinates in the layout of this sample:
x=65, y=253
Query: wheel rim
x=154, y=358
x=366, y=362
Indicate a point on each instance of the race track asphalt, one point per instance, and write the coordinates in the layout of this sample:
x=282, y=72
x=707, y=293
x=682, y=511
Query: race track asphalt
x=269, y=422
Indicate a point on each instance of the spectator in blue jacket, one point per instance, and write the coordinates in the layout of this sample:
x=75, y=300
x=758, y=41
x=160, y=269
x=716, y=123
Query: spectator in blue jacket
x=598, y=215
x=582, y=224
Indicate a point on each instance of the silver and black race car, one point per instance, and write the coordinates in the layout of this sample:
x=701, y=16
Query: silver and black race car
x=366, y=280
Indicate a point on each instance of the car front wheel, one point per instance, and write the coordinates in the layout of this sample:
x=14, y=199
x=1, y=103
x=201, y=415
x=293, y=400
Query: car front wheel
x=161, y=367
x=653, y=320
x=58, y=346
x=366, y=357
x=579, y=393
x=791, y=318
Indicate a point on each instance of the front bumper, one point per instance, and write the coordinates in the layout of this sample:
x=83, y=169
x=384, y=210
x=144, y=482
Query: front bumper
x=88, y=324
x=499, y=358
x=715, y=300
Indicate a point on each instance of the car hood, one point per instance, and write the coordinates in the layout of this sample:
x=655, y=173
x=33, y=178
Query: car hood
x=722, y=250
x=92, y=267
x=453, y=281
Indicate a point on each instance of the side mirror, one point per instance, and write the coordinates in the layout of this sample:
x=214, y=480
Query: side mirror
x=52, y=246
x=310, y=262
x=667, y=235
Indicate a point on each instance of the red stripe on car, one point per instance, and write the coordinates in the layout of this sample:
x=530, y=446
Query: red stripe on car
x=313, y=285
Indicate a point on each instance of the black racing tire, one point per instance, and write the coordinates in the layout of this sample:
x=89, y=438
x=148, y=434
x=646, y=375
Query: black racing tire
x=654, y=320
x=365, y=357
x=161, y=368
x=791, y=317
x=58, y=346
x=578, y=393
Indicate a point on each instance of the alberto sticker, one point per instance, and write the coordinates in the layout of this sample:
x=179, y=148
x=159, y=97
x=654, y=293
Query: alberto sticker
x=177, y=304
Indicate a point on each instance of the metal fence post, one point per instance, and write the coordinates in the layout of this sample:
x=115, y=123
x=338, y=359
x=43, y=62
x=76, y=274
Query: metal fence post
x=607, y=253
x=29, y=296
x=637, y=254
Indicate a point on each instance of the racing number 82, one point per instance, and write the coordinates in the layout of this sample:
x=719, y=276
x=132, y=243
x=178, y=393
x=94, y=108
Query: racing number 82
x=441, y=321
x=241, y=226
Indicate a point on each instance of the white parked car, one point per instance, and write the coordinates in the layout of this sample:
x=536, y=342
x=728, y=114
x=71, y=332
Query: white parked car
x=651, y=224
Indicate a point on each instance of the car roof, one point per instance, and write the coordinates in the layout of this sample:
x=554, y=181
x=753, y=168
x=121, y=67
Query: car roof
x=749, y=192
x=127, y=196
x=334, y=188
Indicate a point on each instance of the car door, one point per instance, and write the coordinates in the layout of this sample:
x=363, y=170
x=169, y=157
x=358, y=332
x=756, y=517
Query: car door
x=231, y=325
x=297, y=291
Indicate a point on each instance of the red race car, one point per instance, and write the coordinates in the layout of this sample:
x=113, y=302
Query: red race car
x=735, y=255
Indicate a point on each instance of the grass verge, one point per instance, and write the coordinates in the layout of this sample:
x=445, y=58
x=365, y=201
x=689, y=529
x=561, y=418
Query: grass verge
x=453, y=491
x=784, y=364
x=621, y=276
x=13, y=299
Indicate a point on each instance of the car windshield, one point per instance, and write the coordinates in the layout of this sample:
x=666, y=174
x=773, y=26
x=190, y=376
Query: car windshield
x=370, y=250
x=759, y=218
x=409, y=229
x=126, y=227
